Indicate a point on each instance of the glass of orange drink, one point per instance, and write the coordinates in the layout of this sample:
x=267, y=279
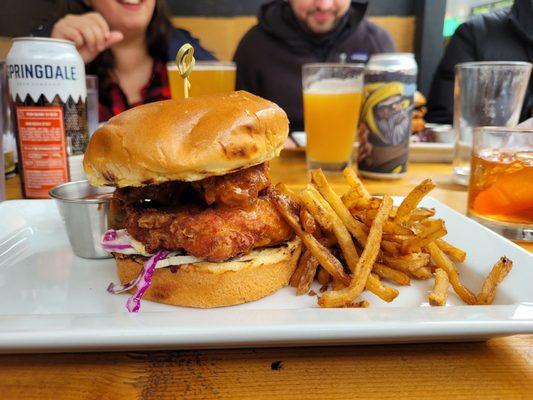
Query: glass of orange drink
x=207, y=77
x=332, y=95
x=500, y=193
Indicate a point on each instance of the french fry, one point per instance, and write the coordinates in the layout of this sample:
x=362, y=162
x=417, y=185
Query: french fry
x=360, y=215
x=391, y=248
x=353, y=201
x=406, y=263
x=392, y=227
x=328, y=241
x=416, y=245
x=425, y=227
x=432, y=267
x=320, y=209
x=439, y=294
x=293, y=196
x=364, y=266
x=447, y=265
x=433, y=229
x=355, y=183
x=302, y=264
x=323, y=276
x=393, y=237
x=337, y=285
x=497, y=274
x=338, y=206
x=356, y=304
x=406, y=240
x=393, y=275
x=381, y=290
x=366, y=209
x=306, y=279
x=324, y=257
x=316, y=210
x=421, y=213
x=422, y=273
x=308, y=222
x=451, y=251
x=414, y=197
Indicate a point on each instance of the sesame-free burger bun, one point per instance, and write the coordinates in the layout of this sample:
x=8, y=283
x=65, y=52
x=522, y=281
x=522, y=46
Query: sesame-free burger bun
x=207, y=284
x=188, y=140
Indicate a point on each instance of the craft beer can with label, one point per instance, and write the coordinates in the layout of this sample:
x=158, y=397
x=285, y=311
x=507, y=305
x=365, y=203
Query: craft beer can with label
x=385, y=122
x=49, y=98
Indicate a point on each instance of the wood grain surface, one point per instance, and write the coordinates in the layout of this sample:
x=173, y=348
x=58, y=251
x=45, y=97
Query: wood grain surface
x=497, y=369
x=500, y=368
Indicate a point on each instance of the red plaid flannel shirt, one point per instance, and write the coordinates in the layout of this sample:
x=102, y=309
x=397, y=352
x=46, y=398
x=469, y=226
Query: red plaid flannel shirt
x=112, y=100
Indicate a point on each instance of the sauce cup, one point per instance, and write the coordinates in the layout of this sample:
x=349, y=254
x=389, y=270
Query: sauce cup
x=84, y=210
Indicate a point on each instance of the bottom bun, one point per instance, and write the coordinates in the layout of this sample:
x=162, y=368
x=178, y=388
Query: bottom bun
x=207, y=284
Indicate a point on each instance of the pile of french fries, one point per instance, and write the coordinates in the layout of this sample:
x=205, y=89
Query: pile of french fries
x=354, y=242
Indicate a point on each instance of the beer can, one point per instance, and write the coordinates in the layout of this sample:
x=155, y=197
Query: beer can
x=385, y=122
x=49, y=103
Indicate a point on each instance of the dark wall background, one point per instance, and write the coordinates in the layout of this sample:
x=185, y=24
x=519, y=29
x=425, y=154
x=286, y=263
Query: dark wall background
x=20, y=17
x=249, y=7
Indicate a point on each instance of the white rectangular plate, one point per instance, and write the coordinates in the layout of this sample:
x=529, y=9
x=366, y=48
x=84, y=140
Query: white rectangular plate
x=419, y=152
x=51, y=300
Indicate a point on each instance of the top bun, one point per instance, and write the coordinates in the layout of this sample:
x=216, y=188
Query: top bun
x=187, y=140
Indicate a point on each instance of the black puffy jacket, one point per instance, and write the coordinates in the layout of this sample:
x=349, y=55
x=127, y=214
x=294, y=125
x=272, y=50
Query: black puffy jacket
x=270, y=56
x=503, y=35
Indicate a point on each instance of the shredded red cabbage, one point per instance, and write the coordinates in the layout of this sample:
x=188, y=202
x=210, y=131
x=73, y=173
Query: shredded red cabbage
x=116, y=289
x=110, y=235
x=117, y=246
x=114, y=240
x=134, y=302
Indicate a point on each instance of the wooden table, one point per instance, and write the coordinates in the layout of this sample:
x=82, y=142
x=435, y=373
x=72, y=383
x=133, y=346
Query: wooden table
x=498, y=369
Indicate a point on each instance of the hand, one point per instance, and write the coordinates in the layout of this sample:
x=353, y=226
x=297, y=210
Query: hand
x=90, y=32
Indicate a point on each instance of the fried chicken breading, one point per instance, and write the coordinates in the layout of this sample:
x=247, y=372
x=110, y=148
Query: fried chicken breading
x=239, y=188
x=215, y=233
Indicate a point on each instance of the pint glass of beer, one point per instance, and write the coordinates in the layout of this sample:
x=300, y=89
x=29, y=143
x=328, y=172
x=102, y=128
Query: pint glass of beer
x=207, y=77
x=332, y=103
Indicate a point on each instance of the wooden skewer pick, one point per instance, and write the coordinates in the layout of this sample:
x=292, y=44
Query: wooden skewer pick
x=185, y=62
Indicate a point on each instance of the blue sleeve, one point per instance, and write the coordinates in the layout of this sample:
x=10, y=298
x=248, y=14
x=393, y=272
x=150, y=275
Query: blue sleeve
x=179, y=38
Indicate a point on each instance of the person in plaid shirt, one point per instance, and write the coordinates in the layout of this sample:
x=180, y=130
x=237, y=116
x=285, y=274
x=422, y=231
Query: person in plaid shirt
x=126, y=44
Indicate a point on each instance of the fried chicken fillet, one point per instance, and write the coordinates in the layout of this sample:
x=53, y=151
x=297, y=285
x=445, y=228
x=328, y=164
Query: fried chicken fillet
x=229, y=218
x=216, y=233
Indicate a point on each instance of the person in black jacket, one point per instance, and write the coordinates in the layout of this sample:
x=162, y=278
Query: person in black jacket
x=503, y=35
x=290, y=33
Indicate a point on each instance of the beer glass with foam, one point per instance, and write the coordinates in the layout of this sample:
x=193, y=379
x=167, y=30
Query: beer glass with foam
x=207, y=77
x=332, y=103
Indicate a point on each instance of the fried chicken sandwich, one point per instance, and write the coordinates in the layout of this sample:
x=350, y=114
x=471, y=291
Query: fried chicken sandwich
x=192, y=178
